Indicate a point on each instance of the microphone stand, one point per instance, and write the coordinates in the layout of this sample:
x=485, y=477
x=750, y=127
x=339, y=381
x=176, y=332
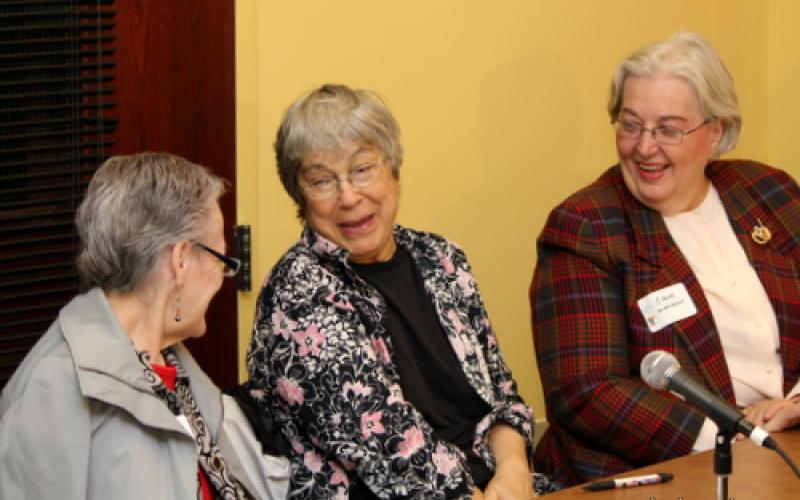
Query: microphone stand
x=723, y=463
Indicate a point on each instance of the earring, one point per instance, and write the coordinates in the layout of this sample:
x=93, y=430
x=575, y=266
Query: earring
x=178, y=308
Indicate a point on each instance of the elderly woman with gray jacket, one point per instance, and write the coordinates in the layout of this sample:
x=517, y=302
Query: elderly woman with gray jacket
x=109, y=403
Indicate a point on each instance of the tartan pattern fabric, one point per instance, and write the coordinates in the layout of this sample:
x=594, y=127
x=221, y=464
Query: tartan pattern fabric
x=599, y=252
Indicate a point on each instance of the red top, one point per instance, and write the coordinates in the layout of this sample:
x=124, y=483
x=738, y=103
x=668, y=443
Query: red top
x=168, y=374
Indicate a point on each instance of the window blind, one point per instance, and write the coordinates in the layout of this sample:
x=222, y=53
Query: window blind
x=56, y=97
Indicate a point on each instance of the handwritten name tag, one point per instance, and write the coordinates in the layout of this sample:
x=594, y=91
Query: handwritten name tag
x=666, y=306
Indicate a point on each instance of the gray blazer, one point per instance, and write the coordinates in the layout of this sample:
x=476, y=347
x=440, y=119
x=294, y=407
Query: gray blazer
x=78, y=420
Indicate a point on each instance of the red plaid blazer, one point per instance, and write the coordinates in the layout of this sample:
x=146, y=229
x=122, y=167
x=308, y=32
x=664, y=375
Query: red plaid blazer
x=600, y=251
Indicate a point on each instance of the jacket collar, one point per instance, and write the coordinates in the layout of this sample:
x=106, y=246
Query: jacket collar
x=109, y=370
x=652, y=237
x=329, y=251
x=322, y=247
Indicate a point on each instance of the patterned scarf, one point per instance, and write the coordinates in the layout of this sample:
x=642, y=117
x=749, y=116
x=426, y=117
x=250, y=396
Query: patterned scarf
x=181, y=402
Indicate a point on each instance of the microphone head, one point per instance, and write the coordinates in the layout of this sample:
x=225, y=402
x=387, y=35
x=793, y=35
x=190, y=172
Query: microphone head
x=657, y=367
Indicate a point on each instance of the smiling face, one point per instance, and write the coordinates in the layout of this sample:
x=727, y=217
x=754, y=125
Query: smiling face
x=669, y=178
x=359, y=220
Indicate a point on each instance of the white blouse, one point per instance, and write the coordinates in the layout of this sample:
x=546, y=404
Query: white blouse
x=742, y=312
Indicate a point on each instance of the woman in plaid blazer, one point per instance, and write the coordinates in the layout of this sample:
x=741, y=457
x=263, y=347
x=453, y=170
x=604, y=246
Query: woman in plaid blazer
x=670, y=249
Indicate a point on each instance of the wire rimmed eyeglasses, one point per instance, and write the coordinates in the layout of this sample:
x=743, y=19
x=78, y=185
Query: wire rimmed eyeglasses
x=230, y=265
x=322, y=184
x=629, y=129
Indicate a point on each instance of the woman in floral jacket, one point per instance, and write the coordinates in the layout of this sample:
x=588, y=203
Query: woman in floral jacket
x=372, y=344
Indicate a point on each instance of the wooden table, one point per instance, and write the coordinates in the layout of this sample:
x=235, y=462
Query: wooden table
x=758, y=474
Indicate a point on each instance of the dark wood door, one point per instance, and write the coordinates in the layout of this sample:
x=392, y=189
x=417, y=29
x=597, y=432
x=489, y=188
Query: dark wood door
x=176, y=92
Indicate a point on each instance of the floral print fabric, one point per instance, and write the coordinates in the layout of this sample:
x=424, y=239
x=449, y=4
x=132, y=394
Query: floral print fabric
x=321, y=361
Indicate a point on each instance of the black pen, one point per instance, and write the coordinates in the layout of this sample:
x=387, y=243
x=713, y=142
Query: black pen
x=627, y=482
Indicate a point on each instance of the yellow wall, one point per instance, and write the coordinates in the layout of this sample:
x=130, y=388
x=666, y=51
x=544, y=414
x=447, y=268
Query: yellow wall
x=502, y=110
x=783, y=80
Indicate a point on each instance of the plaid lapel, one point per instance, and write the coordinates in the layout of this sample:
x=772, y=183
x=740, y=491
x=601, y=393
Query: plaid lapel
x=696, y=334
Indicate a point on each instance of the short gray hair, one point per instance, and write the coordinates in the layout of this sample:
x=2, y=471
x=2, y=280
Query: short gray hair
x=320, y=122
x=136, y=206
x=690, y=57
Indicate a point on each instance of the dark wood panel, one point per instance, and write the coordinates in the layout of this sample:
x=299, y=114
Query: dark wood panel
x=176, y=93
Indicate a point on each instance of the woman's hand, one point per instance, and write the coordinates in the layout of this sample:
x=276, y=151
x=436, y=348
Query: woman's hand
x=762, y=412
x=788, y=416
x=512, y=479
x=510, y=483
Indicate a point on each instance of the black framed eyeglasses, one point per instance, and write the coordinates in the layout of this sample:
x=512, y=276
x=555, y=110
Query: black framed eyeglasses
x=231, y=265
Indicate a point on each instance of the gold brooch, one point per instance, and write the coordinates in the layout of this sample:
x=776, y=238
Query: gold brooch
x=761, y=233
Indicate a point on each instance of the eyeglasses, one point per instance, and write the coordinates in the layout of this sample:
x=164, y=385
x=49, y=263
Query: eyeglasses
x=230, y=265
x=321, y=184
x=629, y=129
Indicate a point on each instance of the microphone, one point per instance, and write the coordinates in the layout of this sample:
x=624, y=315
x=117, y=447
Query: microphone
x=661, y=370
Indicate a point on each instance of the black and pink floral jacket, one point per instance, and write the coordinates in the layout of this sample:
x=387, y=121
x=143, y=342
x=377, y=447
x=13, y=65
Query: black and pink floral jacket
x=321, y=361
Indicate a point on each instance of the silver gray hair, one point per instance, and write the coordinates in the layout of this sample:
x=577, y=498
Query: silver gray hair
x=320, y=122
x=690, y=57
x=136, y=206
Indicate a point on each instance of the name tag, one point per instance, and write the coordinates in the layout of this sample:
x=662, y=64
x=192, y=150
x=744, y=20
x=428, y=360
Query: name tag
x=666, y=306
